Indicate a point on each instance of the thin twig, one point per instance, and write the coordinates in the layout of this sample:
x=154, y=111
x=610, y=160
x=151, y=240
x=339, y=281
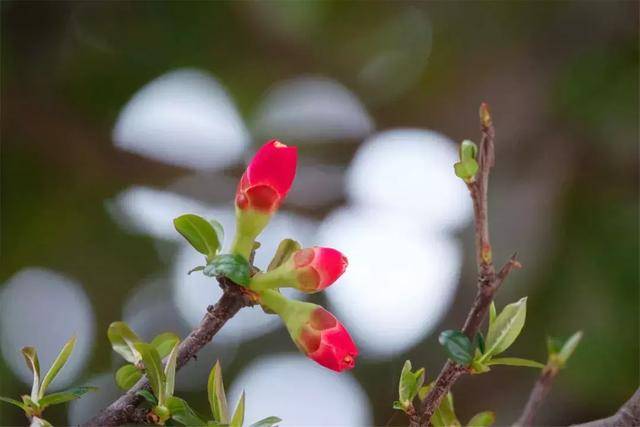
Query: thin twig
x=488, y=280
x=123, y=410
x=537, y=396
x=627, y=416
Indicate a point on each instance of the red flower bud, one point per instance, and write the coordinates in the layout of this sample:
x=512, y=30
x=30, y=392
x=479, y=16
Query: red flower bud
x=268, y=178
x=324, y=339
x=316, y=268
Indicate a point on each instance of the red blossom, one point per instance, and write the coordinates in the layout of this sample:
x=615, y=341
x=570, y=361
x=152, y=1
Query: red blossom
x=317, y=268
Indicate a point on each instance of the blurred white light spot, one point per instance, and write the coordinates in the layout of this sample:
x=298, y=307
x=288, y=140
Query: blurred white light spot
x=193, y=293
x=301, y=393
x=81, y=410
x=399, y=284
x=184, y=118
x=308, y=109
x=43, y=309
x=149, y=211
x=410, y=171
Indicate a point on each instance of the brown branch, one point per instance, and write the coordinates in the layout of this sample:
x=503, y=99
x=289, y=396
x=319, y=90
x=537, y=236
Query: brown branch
x=488, y=280
x=537, y=396
x=123, y=410
x=627, y=416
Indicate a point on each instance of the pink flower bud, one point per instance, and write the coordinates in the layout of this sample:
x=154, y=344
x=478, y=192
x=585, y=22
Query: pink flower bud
x=316, y=268
x=268, y=178
x=323, y=339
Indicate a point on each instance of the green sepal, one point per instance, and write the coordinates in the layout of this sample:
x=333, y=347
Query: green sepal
x=233, y=267
x=216, y=395
x=286, y=248
x=267, y=422
x=64, y=396
x=200, y=233
x=57, y=365
x=31, y=359
x=123, y=341
x=153, y=369
x=238, y=415
x=505, y=328
x=127, y=375
x=482, y=419
x=457, y=345
x=515, y=361
x=183, y=413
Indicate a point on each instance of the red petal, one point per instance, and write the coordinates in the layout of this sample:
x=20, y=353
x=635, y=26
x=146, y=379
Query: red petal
x=337, y=351
x=330, y=264
x=260, y=197
x=274, y=165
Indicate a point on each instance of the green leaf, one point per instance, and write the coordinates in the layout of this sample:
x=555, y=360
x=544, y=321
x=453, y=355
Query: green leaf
x=479, y=367
x=64, y=396
x=286, y=248
x=194, y=269
x=445, y=415
x=515, y=361
x=458, y=346
x=422, y=393
x=506, y=328
x=219, y=229
x=238, y=414
x=480, y=342
x=466, y=169
x=148, y=396
x=554, y=345
x=31, y=359
x=200, y=233
x=482, y=419
x=14, y=402
x=123, y=341
x=410, y=383
x=164, y=343
x=492, y=314
x=182, y=412
x=57, y=365
x=127, y=375
x=267, y=422
x=569, y=347
x=170, y=372
x=153, y=369
x=216, y=395
x=234, y=267
x=468, y=150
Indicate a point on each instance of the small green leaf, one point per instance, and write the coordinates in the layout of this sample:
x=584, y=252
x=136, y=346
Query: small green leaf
x=480, y=341
x=127, y=375
x=13, y=402
x=216, y=395
x=164, y=343
x=569, y=347
x=468, y=150
x=286, y=248
x=458, y=346
x=554, y=345
x=219, y=229
x=515, y=361
x=267, y=422
x=123, y=341
x=422, y=393
x=64, y=396
x=170, y=372
x=57, y=365
x=148, y=396
x=238, y=414
x=182, y=412
x=466, y=169
x=492, y=314
x=234, y=267
x=399, y=405
x=410, y=383
x=194, y=269
x=479, y=367
x=200, y=233
x=482, y=419
x=153, y=369
x=445, y=415
x=31, y=359
x=506, y=328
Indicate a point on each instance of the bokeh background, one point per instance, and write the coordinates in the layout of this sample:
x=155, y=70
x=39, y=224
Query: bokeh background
x=118, y=116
